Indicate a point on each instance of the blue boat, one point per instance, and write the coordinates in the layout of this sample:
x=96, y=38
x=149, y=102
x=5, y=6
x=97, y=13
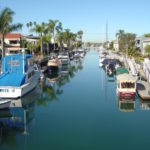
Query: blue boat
x=17, y=76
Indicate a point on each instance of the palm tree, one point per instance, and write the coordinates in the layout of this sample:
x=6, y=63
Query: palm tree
x=29, y=24
x=79, y=38
x=66, y=37
x=31, y=47
x=119, y=34
x=80, y=34
x=46, y=40
x=6, y=26
x=69, y=38
x=60, y=39
x=40, y=29
x=53, y=27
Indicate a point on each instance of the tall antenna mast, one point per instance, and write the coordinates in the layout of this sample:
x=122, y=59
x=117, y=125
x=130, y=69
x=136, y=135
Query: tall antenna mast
x=103, y=36
x=106, y=35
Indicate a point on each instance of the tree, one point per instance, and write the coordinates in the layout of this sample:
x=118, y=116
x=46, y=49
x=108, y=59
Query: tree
x=119, y=34
x=111, y=47
x=31, y=47
x=126, y=41
x=40, y=29
x=147, y=35
x=60, y=39
x=147, y=48
x=29, y=24
x=53, y=27
x=79, y=36
x=79, y=44
x=6, y=25
x=69, y=38
x=46, y=40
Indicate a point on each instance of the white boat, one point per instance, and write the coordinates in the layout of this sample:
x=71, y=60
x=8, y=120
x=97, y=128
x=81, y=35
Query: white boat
x=126, y=85
x=65, y=60
x=102, y=57
x=18, y=76
x=81, y=53
x=143, y=90
x=4, y=104
x=76, y=55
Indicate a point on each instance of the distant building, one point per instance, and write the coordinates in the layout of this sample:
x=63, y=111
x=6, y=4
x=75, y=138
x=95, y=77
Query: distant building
x=141, y=43
x=116, y=45
x=30, y=38
x=12, y=43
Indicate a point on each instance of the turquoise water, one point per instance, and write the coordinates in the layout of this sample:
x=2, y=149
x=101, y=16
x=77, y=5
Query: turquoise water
x=76, y=110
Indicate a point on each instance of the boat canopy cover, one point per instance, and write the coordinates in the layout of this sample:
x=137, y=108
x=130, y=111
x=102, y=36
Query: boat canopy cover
x=14, y=63
x=12, y=70
x=126, y=78
x=111, y=61
x=121, y=71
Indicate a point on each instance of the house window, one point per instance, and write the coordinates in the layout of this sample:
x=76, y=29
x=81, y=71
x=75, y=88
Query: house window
x=13, y=42
x=128, y=85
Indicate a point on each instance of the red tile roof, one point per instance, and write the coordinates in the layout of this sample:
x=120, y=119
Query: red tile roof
x=12, y=36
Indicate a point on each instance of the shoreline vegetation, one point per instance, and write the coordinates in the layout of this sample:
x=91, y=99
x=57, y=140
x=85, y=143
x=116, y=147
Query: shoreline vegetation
x=127, y=45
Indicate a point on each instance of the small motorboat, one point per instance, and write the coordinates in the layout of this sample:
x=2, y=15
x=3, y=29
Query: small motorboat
x=126, y=85
x=64, y=59
x=81, y=53
x=76, y=55
x=110, y=69
x=53, y=65
x=4, y=104
x=143, y=90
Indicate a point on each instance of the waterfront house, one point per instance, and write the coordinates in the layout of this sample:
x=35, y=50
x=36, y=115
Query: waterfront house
x=141, y=43
x=30, y=38
x=12, y=43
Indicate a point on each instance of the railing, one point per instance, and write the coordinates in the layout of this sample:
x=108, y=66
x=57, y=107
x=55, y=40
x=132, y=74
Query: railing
x=130, y=64
x=146, y=69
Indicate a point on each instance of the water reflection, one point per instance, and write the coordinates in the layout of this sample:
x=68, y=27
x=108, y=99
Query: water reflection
x=15, y=121
x=52, y=85
x=144, y=105
x=126, y=104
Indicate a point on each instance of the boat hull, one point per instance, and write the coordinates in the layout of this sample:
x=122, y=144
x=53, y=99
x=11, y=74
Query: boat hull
x=10, y=92
x=126, y=94
x=53, y=68
x=5, y=105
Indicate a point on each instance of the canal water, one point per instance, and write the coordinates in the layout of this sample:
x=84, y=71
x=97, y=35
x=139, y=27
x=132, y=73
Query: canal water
x=76, y=109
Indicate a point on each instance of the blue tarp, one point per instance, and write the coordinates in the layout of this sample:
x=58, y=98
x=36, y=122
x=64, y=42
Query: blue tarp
x=12, y=79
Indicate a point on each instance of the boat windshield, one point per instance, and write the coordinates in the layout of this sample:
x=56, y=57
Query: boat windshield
x=128, y=85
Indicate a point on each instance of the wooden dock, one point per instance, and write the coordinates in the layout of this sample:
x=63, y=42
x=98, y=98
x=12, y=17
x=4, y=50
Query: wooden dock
x=143, y=90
